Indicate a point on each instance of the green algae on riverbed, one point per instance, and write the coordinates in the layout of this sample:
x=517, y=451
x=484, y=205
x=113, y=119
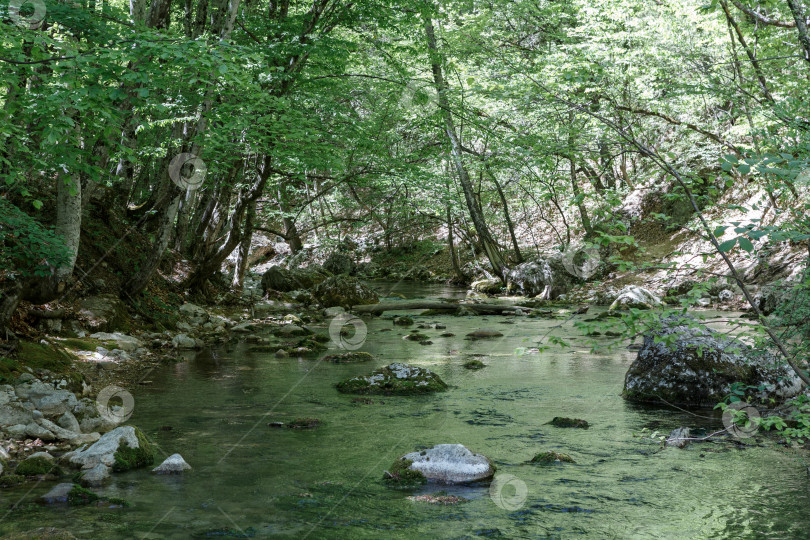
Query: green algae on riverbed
x=327, y=482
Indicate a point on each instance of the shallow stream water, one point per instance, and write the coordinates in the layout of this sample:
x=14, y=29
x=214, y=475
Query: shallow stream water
x=251, y=480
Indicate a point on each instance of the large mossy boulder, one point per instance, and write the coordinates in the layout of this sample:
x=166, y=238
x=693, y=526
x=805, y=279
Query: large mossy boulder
x=546, y=277
x=395, y=378
x=687, y=364
x=447, y=464
x=637, y=297
x=339, y=263
x=121, y=449
x=281, y=279
x=103, y=313
x=344, y=291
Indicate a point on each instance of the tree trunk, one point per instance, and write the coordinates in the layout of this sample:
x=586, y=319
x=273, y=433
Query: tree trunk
x=476, y=213
x=578, y=197
x=451, y=245
x=137, y=283
x=246, y=198
x=509, y=225
x=801, y=26
x=242, y=257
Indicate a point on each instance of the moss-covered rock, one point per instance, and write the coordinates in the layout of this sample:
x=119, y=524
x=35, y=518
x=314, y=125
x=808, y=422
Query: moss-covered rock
x=344, y=291
x=684, y=363
x=396, y=378
x=11, y=480
x=563, y=422
x=128, y=457
x=79, y=496
x=304, y=423
x=35, y=466
x=548, y=458
x=474, y=364
x=403, y=321
x=400, y=474
x=351, y=357
x=416, y=336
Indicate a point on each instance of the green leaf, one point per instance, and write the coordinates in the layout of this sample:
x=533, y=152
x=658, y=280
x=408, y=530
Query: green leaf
x=746, y=244
x=725, y=247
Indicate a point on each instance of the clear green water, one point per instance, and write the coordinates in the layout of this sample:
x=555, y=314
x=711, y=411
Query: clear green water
x=326, y=483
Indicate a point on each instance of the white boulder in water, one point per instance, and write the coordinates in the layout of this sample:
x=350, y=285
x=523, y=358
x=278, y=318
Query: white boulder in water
x=450, y=463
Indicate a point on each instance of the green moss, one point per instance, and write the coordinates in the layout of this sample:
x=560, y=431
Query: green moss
x=38, y=356
x=37, y=465
x=312, y=344
x=304, y=423
x=401, y=475
x=474, y=364
x=127, y=458
x=547, y=458
x=80, y=496
x=118, y=501
x=385, y=381
x=403, y=321
x=560, y=421
x=348, y=357
x=9, y=369
x=321, y=338
x=11, y=480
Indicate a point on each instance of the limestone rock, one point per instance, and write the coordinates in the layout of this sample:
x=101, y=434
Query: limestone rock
x=450, y=464
x=174, y=464
x=700, y=367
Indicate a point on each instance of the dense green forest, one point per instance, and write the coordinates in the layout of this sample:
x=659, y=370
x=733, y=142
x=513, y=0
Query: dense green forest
x=181, y=178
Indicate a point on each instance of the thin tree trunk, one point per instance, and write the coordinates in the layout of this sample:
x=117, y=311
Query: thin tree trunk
x=485, y=238
x=801, y=26
x=583, y=212
x=242, y=256
x=754, y=62
x=509, y=225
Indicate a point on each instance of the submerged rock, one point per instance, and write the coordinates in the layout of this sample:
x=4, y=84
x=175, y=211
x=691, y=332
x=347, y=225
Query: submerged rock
x=561, y=421
x=396, y=378
x=444, y=500
x=174, y=464
x=344, y=291
x=58, y=494
x=633, y=296
x=96, y=476
x=679, y=438
x=450, y=464
x=547, y=458
x=348, y=357
x=484, y=334
x=700, y=366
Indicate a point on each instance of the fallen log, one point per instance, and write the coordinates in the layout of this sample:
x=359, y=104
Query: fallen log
x=481, y=309
x=42, y=314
